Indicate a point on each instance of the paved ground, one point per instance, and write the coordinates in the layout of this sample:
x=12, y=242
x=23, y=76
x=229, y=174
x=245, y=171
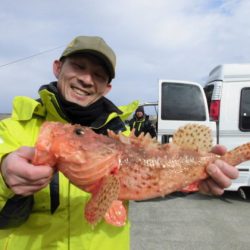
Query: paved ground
x=191, y=222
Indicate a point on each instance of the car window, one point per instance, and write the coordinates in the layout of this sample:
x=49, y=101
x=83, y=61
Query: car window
x=182, y=102
x=244, y=119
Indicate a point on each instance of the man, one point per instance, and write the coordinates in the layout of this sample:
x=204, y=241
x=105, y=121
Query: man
x=42, y=209
x=141, y=123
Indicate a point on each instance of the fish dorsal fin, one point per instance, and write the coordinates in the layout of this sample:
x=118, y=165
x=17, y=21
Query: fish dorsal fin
x=102, y=199
x=143, y=140
x=194, y=136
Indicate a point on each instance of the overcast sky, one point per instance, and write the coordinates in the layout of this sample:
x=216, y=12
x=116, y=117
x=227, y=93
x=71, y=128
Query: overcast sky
x=160, y=39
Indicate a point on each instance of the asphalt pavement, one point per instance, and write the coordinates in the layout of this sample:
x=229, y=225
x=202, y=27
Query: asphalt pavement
x=191, y=222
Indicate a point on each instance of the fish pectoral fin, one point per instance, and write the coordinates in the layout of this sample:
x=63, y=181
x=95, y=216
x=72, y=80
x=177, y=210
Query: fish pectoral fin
x=116, y=214
x=194, y=136
x=102, y=199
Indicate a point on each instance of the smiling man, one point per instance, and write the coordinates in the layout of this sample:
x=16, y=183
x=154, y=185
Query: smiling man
x=52, y=208
x=41, y=209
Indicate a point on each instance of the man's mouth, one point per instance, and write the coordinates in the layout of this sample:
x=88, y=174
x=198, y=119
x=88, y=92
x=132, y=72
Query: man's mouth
x=80, y=92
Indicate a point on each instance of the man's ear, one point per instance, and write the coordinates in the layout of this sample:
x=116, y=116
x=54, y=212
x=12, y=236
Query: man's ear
x=57, y=65
x=108, y=88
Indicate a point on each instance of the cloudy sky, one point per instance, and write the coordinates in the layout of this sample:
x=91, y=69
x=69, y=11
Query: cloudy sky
x=160, y=39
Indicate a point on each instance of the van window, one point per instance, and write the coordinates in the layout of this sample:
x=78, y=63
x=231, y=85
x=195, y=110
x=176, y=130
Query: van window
x=209, y=92
x=182, y=102
x=244, y=121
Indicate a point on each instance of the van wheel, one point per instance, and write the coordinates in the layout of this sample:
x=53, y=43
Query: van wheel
x=243, y=193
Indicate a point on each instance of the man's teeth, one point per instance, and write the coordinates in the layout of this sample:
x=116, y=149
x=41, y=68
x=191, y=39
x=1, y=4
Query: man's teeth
x=80, y=92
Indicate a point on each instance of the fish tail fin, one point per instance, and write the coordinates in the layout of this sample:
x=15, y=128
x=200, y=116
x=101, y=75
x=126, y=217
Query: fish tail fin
x=237, y=155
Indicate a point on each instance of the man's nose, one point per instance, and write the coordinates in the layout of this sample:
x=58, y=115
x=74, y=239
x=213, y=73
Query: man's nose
x=86, y=78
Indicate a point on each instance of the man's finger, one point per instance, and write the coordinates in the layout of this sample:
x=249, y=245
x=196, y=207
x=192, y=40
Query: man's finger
x=220, y=174
x=219, y=149
x=26, y=152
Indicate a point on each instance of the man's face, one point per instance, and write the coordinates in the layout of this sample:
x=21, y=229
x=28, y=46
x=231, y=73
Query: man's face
x=139, y=114
x=82, y=79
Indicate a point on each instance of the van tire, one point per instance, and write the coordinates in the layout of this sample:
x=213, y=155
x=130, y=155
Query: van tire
x=243, y=193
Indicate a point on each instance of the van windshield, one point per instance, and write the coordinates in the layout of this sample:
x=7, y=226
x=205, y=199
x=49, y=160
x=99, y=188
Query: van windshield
x=182, y=102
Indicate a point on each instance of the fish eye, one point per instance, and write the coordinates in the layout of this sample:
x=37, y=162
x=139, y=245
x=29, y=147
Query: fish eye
x=79, y=131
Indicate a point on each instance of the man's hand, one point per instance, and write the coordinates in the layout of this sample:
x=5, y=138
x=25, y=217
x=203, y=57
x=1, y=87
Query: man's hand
x=21, y=176
x=220, y=174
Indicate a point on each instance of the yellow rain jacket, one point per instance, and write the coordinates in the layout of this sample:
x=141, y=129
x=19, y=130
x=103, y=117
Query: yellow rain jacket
x=66, y=228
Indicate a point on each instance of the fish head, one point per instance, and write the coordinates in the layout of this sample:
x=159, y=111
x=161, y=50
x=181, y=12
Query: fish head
x=77, y=151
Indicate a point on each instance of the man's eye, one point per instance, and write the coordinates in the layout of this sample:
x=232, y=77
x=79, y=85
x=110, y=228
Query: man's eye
x=79, y=66
x=101, y=75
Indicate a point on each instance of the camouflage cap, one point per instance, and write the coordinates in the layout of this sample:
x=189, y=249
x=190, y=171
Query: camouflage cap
x=93, y=45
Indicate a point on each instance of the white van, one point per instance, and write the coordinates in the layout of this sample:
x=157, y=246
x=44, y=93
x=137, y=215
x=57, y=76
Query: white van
x=223, y=105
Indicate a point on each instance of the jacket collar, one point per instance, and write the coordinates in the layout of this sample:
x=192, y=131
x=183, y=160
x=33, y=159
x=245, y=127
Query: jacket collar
x=24, y=108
